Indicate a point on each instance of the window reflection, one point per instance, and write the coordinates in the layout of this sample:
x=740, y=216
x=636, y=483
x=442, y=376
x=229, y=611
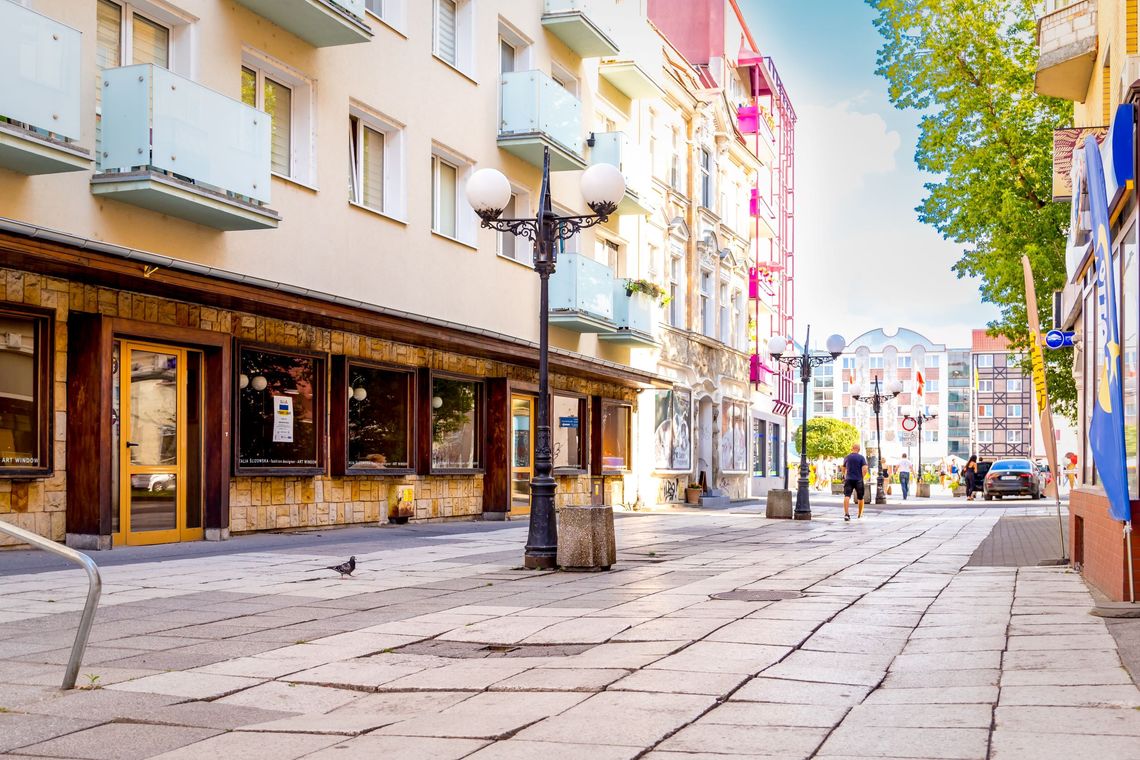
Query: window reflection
x=456, y=412
x=23, y=372
x=278, y=409
x=379, y=421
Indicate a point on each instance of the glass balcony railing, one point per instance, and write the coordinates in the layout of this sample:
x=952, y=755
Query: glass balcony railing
x=538, y=112
x=40, y=110
x=582, y=294
x=321, y=23
x=571, y=22
x=616, y=149
x=636, y=317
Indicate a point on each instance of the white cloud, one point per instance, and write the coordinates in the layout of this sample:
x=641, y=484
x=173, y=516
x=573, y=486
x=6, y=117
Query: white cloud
x=846, y=146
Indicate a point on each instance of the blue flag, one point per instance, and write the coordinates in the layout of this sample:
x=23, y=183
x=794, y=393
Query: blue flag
x=1106, y=434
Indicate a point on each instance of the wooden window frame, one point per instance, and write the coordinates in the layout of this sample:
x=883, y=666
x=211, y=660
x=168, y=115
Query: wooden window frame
x=584, y=427
x=338, y=418
x=426, y=379
x=320, y=412
x=45, y=392
x=596, y=465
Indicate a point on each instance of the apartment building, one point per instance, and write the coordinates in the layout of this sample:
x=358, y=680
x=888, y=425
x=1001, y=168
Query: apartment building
x=242, y=289
x=959, y=374
x=1089, y=54
x=1003, y=411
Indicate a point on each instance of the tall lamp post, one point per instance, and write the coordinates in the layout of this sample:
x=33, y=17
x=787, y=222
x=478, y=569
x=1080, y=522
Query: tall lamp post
x=917, y=420
x=489, y=192
x=777, y=345
x=876, y=399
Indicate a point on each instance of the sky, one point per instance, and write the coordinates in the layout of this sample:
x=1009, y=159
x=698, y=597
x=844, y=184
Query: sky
x=863, y=260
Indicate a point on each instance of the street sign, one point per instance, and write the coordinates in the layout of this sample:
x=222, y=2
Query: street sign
x=909, y=423
x=1058, y=339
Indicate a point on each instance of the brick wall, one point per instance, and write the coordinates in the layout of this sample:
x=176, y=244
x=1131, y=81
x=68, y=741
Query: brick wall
x=1102, y=554
x=265, y=503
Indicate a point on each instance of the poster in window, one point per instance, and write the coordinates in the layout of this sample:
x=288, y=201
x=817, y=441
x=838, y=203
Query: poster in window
x=672, y=439
x=282, y=419
x=740, y=438
x=682, y=427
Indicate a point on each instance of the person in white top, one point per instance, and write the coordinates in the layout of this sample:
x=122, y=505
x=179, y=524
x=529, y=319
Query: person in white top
x=904, y=470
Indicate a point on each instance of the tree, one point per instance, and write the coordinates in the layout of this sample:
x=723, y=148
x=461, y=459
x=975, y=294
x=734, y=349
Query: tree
x=967, y=66
x=828, y=438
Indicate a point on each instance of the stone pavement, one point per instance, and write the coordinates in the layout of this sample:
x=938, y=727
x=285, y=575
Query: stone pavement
x=443, y=648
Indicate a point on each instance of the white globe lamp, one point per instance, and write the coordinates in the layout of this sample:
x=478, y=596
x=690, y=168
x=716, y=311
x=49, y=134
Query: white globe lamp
x=836, y=344
x=603, y=187
x=856, y=389
x=777, y=345
x=488, y=192
x=359, y=394
x=258, y=383
x=895, y=387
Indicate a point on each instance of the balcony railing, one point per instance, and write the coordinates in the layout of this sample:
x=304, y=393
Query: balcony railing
x=571, y=22
x=536, y=113
x=636, y=316
x=174, y=146
x=582, y=294
x=321, y=23
x=40, y=111
x=616, y=149
x=1067, y=48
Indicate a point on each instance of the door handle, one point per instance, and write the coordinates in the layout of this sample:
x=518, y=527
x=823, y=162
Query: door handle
x=131, y=444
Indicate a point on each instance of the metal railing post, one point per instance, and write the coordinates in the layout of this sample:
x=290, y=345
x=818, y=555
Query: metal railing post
x=94, y=589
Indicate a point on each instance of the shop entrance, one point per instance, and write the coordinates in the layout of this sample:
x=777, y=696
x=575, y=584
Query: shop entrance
x=156, y=433
x=522, y=452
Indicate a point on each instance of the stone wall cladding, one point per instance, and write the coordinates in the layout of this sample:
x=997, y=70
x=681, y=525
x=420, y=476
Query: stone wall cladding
x=265, y=502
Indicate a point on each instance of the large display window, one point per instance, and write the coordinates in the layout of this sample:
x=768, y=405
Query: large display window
x=280, y=412
x=373, y=423
x=25, y=393
x=457, y=420
x=672, y=430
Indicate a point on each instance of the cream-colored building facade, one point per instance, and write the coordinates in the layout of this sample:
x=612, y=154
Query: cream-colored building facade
x=257, y=201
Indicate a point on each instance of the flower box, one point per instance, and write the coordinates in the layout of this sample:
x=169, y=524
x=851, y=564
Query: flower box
x=748, y=119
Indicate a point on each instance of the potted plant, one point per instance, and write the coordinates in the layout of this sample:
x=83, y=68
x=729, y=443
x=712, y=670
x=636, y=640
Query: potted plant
x=957, y=488
x=693, y=493
x=649, y=288
x=837, y=485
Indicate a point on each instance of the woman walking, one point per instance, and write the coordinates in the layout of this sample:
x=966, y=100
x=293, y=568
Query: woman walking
x=971, y=477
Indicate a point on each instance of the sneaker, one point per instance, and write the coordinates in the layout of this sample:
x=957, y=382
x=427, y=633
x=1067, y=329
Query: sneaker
x=846, y=518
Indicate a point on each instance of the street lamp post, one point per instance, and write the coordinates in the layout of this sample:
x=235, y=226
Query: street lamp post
x=489, y=192
x=876, y=400
x=777, y=345
x=919, y=419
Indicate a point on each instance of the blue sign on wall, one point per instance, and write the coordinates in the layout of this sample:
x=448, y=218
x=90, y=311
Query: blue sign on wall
x=567, y=422
x=1058, y=339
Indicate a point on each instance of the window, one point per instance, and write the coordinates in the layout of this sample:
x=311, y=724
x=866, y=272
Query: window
x=376, y=163
x=610, y=254
x=931, y=361
x=903, y=362
x=875, y=362
x=739, y=325
x=985, y=360
x=1013, y=436
x=391, y=12
x=507, y=57
x=1013, y=410
x=512, y=246
x=848, y=362
x=733, y=436
x=985, y=436
x=448, y=216
x=706, y=303
x=567, y=81
x=25, y=393
x=706, y=178
x=775, y=448
x=286, y=97
x=931, y=386
x=456, y=424
x=985, y=410
x=985, y=386
x=452, y=39
x=759, y=448
x=378, y=418
x=568, y=431
x=615, y=441
x=675, y=312
x=672, y=439
x=725, y=321
x=1013, y=386
x=280, y=412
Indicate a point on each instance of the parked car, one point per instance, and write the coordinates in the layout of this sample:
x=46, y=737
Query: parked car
x=1013, y=477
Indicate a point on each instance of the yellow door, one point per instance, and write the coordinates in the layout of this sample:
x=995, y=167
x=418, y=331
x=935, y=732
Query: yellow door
x=522, y=453
x=152, y=446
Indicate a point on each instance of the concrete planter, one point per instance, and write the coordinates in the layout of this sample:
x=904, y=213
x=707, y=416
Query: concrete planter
x=960, y=491
x=923, y=490
x=586, y=538
x=779, y=504
x=836, y=488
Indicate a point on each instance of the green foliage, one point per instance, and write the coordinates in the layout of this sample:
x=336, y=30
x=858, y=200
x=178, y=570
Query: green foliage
x=828, y=438
x=967, y=66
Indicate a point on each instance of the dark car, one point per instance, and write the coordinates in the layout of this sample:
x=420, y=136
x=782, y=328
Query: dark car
x=1013, y=477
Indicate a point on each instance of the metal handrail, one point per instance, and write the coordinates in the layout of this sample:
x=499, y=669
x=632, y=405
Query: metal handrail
x=94, y=589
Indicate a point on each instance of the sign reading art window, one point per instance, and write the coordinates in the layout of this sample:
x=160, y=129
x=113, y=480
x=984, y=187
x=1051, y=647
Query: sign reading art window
x=456, y=424
x=672, y=438
x=25, y=402
x=280, y=411
x=734, y=436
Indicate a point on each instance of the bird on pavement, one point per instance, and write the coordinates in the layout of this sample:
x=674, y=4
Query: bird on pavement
x=345, y=568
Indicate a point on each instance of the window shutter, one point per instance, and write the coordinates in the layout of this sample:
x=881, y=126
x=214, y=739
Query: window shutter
x=373, y=169
x=279, y=105
x=445, y=25
x=150, y=42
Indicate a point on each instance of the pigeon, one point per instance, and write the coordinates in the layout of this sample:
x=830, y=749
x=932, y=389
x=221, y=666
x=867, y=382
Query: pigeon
x=345, y=568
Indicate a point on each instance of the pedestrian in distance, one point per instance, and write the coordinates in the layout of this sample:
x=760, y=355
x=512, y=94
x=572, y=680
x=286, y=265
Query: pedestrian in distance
x=971, y=475
x=854, y=473
x=904, y=469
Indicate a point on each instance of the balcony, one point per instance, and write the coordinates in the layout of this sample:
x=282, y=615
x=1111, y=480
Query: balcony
x=539, y=113
x=39, y=94
x=582, y=295
x=1067, y=47
x=616, y=149
x=569, y=21
x=321, y=23
x=636, y=317
x=759, y=208
x=173, y=146
x=632, y=80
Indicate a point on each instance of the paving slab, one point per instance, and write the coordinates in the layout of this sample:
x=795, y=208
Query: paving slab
x=490, y=715
x=917, y=679
x=934, y=743
x=944, y=695
x=243, y=745
x=1017, y=745
x=103, y=704
x=762, y=714
x=561, y=679
x=1071, y=696
x=210, y=715
x=515, y=749
x=187, y=684
x=722, y=657
x=372, y=747
x=20, y=730
x=366, y=714
x=636, y=719
x=292, y=697
x=1110, y=676
x=119, y=741
x=679, y=682
x=783, y=691
x=704, y=737
x=1105, y=721
x=921, y=715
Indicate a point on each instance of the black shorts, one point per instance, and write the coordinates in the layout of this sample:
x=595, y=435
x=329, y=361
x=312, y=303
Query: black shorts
x=856, y=486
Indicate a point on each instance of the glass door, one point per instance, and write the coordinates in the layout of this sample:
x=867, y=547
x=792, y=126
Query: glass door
x=151, y=424
x=522, y=452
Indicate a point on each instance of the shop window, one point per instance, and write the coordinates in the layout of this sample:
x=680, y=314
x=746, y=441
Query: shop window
x=672, y=431
x=612, y=450
x=456, y=424
x=774, y=449
x=759, y=448
x=373, y=426
x=733, y=436
x=569, y=432
x=280, y=418
x=25, y=393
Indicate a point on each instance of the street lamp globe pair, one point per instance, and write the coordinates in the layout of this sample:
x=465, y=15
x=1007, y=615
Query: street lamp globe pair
x=894, y=388
x=489, y=193
x=778, y=344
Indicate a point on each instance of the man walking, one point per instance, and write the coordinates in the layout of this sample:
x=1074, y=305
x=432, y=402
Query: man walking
x=854, y=472
x=904, y=476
